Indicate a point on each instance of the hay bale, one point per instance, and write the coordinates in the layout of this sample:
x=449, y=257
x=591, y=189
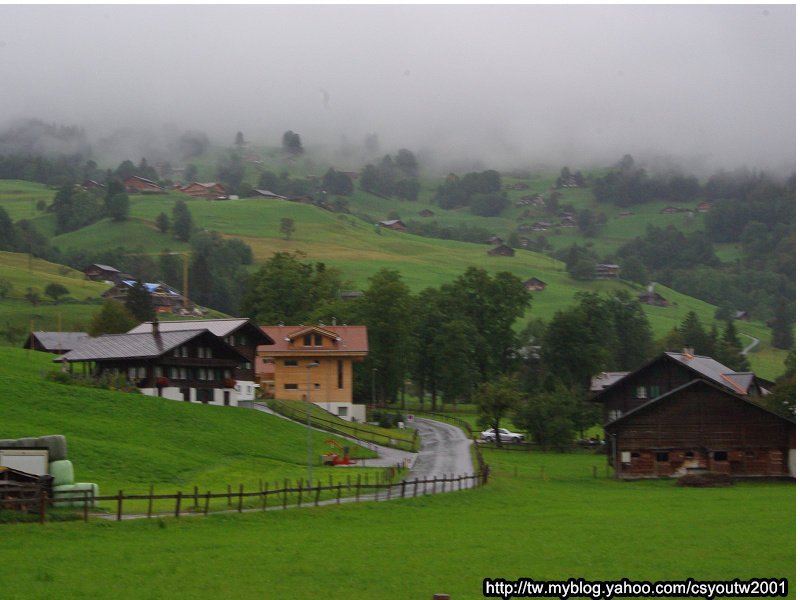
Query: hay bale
x=76, y=493
x=56, y=444
x=63, y=472
x=27, y=442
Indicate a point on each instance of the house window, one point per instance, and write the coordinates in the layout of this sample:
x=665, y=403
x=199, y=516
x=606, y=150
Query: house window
x=342, y=411
x=641, y=392
x=662, y=456
x=307, y=340
x=614, y=414
x=340, y=374
x=290, y=386
x=720, y=456
x=316, y=386
x=654, y=391
x=317, y=339
x=290, y=362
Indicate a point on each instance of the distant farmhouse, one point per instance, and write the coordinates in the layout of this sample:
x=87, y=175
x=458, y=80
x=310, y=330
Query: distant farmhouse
x=105, y=273
x=501, y=250
x=139, y=185
x=682, y=414
x=534, y=284
x=211, y=190
x=393, y=224
x=606, y=271
x=166, y=299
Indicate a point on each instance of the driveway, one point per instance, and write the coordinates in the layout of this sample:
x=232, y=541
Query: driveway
x=444, y=450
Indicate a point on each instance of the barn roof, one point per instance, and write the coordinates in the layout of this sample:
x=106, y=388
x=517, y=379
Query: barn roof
x=694, y=383
x=130, y=345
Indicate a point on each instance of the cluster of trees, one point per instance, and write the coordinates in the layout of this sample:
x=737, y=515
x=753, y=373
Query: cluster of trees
x=480, y=191
x=75, y=207
x=393, y=177
x=461, y=232
x=626, y=185
x=22, y=236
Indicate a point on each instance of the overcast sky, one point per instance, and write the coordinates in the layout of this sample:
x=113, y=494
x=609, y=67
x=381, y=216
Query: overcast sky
x=564, y=84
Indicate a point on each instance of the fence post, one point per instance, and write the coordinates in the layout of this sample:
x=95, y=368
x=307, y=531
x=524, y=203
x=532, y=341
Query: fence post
x=208, y=499
x=403, y=488
x=85, y=506
x=195, y=498
x=229, y=495
x=389, y=491
x=285, y=492
x=339, y=493
x=358, y=486
x=178, y=497
x=119, y=505
x=241, y=496
x=299, y=492
x=264, y=497
x=42, y=506
x=150, y=502
x=415, y=486
x=319, y=489
x=434, y=484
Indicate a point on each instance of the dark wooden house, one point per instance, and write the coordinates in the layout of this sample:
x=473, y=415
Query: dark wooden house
x=394, y=224
x=193, y=365
x=98, y=272
x=501, y=250
x=534, y=284
x=701, y=426
x=243, y=335
x=211, y=190
x=681, y=413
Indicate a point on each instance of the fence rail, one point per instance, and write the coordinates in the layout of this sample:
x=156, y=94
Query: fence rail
x=297, y=494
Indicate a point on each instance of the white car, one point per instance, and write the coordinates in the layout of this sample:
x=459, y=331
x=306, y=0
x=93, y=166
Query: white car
x=505, y=436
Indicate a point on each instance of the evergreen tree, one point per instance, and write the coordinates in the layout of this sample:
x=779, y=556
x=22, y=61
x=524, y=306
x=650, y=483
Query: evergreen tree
x=162, y=222
x=113, y=317
x=182, y=225
x=139, y=303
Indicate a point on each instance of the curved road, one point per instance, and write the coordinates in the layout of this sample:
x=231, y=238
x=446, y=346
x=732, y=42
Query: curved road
x=444, y=451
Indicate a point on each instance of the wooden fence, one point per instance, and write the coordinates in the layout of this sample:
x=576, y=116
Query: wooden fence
x=297, y=494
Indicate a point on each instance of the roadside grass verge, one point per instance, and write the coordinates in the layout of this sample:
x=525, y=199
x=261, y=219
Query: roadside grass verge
x=565, y=525
x=402, y=439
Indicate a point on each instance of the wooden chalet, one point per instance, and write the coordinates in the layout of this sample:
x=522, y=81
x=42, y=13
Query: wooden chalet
x=211, y=190
x=283, y=369
x=682, y=413
x=704, y=207
x=393, y=224
x=98, y=272
x=55, y=342
x=653, y=298
x=192, y=365
x=243, y=335
x=91, y=184
x=501, y=250
x=534, y=284
x=606, y=271
x=139, y=185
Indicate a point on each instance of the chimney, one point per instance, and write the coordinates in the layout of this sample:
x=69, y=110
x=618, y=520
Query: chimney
x=156, y=331
x=688, y=353
x=333, y=321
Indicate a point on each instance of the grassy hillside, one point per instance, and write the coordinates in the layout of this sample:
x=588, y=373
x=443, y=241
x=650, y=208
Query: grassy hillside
x=129, y=441
x=542, y=516
x=359, y=250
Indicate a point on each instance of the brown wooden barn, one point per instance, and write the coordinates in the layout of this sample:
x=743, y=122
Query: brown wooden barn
x=701, y=427
x=135, y=184
x=682, y=412
x=209, y=190
x=501, y=250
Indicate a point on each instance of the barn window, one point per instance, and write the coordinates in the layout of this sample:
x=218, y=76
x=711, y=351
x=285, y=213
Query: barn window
x=720, y=456
x=662, y=456
x=290, y=362
x=634, y=455
x=290, y=386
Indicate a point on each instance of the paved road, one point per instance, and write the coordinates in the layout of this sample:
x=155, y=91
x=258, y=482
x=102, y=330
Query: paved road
x=444, y=450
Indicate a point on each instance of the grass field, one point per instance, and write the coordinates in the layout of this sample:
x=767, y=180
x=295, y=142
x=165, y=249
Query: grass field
x=542, y=516
x=130, y=441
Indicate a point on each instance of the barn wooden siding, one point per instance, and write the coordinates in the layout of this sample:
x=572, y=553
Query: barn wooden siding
x=701, y=427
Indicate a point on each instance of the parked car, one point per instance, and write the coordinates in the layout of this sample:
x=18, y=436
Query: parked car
x=505, y=436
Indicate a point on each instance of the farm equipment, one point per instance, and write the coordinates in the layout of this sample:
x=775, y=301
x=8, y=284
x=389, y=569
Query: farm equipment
x=334, y=458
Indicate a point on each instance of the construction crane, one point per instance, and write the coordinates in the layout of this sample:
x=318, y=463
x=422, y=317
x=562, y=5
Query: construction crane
x=185, y=256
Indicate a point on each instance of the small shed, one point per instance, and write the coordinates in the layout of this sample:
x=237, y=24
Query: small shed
x=393, y=224
x=55, y=342
x=534, y=284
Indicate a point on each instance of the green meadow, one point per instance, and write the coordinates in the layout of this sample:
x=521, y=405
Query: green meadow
x=542, y=516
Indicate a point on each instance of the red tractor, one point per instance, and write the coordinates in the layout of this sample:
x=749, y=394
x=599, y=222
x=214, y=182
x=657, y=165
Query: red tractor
x=333, y=458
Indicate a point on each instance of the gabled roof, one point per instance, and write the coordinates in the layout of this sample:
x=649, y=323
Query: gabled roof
x=704, y=366
x=351, y=339
x=219, y=327
x=57, y=340
x=130, y=345
x=693, y=383
x=103, y=267
x=606, y=379
x=269, y=194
